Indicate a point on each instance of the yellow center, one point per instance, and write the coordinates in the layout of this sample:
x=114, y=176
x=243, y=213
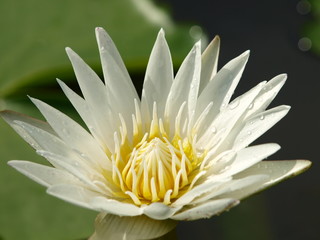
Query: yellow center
x=152, y=168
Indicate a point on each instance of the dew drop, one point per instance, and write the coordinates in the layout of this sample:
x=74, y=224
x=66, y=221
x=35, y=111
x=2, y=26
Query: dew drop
x=250, y=106
x=261, y=117
x=249, y=132
x=213, y=129
x=234, y=104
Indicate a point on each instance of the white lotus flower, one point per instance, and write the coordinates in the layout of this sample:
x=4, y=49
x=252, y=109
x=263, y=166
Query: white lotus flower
x=179, y=153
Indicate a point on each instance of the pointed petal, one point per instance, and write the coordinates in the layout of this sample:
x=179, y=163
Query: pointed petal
x=72, y=133
x=226, y=120
x=276, y=171
x=230, y=187
x=209, y=62
x=113, y=227
x=73, y=194
x=120, y=87
x=267, y=94
x=159, y=75
x=220, y=89
x=11, y=117
x=103, y=204
x=44, y=175
x=95, y=95
x=43, y=140
x=201, y=189
x=83, y=110
x=249, y=156
x=258, y=125
x=160, y=211
x=206, y=210
x=185, y=86
x=77, y=168
x=111, y=58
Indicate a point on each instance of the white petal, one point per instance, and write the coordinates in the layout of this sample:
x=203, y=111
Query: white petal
x=11, y=117
x=258, y=125
x=72, y=133
x=249, y=156
x=267, y=94
x=209, y=62
x=227, y=120
x=103, y=204
x=201, y=189
x=159, y=75
x=159, y=211
x=79, y=169
x=185, y=86
x=219, y=90
x=95, y=95
x=113, y=227
x=275, y=170
x=110, y=59
x=121, y=89
x=223, y=190
x=206, y=210
x=73, y=194
x=46, y=141
x=42, y=174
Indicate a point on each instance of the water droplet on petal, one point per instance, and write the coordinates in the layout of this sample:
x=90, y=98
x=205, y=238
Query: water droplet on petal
x=261, y=117
x=250, y=106
x=213, y=129
x=234, y=104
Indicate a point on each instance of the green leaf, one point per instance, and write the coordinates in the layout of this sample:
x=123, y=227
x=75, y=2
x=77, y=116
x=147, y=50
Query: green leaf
x=35, y=33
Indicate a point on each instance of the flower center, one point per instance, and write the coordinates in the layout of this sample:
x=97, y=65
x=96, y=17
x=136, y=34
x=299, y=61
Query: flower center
x=152, y=171
x=152, y=168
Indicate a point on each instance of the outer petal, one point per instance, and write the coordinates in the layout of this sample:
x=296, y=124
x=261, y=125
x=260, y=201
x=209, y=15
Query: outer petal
x=111, y=227
x=44, y=175
x=206, y=210
x=201, y=189
x=103, y=204
x=267, y=94
x=249, y=156
x=73, y=134
x=74, y=194
x=275, y=170
x=120, y=87
x=228, y=117
x=160, y=211
x=231, y=186
x=84, y=111
x=96, y=97
x=159, y=76
x=220, y=89
x=43, y=140
x=209, y=62
x=11, y=117
x=258, y=125
x=185, y=86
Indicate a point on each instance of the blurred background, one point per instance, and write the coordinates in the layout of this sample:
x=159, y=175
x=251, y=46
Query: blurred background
x=283, y=36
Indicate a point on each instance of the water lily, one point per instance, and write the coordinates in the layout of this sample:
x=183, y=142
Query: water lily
x=180, y=152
